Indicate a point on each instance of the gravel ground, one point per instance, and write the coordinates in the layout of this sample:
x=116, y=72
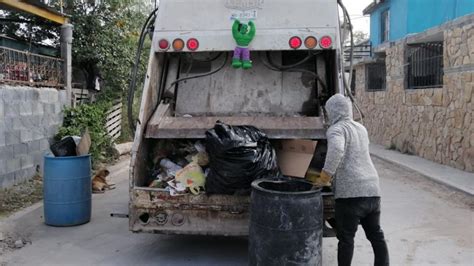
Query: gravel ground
x=12, y=200
x=20, y=196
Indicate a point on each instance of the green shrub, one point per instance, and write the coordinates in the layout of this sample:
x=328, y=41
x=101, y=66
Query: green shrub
x=93, y=117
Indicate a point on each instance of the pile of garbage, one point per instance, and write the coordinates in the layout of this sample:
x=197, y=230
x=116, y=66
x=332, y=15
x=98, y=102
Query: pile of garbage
x=180, y=167
x=226, y=163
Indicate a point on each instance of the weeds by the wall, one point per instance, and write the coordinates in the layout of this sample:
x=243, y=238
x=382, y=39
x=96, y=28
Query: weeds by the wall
x=91, y=116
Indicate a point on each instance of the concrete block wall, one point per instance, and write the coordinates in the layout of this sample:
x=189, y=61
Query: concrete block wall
x=29, y=118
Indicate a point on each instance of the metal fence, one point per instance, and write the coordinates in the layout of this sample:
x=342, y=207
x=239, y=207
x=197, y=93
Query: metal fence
x=425, y=65
x=360, y=51
x=376, y=74
x=18, y=67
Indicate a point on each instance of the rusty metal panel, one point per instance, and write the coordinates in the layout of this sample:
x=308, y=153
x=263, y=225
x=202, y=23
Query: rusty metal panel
x=189, y=214
x=225, y=215
x=274, y=127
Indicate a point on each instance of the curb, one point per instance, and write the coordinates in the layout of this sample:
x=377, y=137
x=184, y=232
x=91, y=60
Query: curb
x=437, y=180
x=119, y=167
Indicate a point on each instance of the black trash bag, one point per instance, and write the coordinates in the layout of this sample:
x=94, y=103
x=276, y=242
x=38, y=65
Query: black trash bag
x=237, y=156
x=65, y=147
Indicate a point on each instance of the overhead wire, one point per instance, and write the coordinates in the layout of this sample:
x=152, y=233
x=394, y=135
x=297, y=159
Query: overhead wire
x=351, y=57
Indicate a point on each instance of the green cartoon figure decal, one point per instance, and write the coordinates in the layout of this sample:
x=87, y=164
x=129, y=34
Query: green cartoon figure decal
x=243, y=35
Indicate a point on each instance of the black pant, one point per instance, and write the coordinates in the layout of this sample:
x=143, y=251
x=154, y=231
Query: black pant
x=351, y=212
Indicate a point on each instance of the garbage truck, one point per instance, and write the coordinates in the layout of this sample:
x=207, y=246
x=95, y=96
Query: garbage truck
x=194, y=79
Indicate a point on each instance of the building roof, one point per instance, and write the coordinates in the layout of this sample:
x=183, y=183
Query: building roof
x=35, y=7
x=370, y=8
x=21, y=45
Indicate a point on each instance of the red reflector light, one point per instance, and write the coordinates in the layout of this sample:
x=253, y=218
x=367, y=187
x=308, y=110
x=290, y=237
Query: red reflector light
x=325, y=42
x=192, y=44
x=163, y=44
x=295, y=42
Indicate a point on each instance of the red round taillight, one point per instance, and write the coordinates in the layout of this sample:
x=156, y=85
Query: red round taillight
x=163, y=44
x=192, y=44
x=325, y=42
x=295, y=42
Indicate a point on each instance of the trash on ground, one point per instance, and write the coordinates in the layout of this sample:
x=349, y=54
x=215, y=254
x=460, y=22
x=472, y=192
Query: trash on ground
x=238, y=155
x=11, y=241
x=19, y=243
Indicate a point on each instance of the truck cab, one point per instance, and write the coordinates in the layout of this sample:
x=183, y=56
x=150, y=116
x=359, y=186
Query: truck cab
x=190, y=84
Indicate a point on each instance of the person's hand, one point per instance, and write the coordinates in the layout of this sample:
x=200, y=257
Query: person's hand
x=325, y=178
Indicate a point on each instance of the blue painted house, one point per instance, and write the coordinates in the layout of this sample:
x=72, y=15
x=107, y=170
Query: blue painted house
x=391, y=20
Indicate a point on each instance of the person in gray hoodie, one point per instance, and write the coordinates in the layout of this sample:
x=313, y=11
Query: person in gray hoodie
x=355, y=182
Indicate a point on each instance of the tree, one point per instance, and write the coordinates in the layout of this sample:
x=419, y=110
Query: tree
x=360, y=36
x=29, y=28
x=105, y=37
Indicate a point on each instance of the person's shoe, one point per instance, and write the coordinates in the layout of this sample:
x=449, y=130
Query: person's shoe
x=236, y=63
x=247, y=64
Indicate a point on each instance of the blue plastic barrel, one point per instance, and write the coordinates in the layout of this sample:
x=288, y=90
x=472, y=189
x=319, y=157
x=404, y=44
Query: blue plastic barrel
x=67, y=190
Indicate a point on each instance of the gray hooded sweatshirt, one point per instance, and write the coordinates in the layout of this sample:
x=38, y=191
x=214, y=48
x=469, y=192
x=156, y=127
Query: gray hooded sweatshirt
x=348, y=159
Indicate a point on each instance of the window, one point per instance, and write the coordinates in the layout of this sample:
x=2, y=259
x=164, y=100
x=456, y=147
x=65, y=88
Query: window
x=376, y=76
x=385, y=26
x=425, y=65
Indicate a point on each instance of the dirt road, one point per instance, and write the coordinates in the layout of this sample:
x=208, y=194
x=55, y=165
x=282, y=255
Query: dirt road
x=424, y=223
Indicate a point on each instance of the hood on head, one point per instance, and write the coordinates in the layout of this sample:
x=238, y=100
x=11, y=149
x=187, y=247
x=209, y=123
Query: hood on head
x=338, y=108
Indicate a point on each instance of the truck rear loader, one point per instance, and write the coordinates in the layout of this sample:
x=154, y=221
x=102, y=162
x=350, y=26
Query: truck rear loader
x=190, y=84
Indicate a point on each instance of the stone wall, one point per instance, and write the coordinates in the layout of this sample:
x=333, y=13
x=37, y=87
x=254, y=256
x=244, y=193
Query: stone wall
x=29, y=118
x=434, y=123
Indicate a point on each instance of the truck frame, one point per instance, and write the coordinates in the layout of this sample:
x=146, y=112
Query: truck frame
x=188, y=88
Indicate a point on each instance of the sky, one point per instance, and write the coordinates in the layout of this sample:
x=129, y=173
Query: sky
x=355, y=7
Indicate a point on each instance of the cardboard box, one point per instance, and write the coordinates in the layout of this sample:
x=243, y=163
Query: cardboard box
x=85, y=144
x=294, y=156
